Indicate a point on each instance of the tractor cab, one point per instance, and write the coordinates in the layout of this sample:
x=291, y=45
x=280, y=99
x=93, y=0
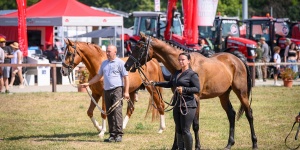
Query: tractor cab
x=153, y=24
x=274, y=30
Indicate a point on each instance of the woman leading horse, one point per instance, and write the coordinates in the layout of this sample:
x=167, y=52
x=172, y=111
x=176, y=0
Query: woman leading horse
x=218, y=75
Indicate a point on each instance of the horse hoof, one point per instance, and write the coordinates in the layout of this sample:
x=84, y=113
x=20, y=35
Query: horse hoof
x=101, y=135
x=160, y=131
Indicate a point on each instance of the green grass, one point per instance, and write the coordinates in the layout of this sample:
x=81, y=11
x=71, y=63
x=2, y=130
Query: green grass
x=59, y=121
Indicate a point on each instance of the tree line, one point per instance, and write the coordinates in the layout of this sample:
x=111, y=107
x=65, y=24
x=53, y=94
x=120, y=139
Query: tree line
x=280, y=8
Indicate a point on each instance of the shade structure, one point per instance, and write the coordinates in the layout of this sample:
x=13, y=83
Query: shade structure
x=108, y=32
x=62, y=13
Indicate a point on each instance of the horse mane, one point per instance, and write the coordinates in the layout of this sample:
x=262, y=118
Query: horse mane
x=184, y=48
x=94, y=46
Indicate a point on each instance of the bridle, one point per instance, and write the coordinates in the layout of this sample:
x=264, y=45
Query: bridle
x=68, y=53
x=71, y=64
x=144, y=52
x=70, y=67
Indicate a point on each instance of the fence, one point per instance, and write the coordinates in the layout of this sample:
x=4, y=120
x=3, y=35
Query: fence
x=54, y=68
x=252, y=65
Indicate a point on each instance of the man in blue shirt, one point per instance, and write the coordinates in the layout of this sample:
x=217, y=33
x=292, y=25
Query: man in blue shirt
x=116, y=87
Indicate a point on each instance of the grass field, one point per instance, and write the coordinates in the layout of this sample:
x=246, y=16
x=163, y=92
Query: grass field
x=59, y=121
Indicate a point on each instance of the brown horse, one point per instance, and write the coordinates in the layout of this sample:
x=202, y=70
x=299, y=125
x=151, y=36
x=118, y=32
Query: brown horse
x=218, y=75
x=92, y=56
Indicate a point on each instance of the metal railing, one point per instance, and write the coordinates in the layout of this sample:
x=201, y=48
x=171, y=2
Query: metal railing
x=55, y=65
x=253, y=65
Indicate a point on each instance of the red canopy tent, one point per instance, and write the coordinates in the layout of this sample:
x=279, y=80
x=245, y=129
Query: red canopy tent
x=46, y=14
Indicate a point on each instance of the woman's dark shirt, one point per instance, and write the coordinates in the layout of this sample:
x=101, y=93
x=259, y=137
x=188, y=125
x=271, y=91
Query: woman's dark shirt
x=190, y=83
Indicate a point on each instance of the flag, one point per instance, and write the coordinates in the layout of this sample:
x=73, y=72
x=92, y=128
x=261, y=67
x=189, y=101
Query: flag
x=22, y=27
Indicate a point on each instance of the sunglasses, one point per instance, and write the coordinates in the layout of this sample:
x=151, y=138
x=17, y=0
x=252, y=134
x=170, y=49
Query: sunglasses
x=2, y=42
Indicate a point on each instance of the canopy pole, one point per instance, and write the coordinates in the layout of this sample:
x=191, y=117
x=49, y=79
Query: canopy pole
x=122, y=41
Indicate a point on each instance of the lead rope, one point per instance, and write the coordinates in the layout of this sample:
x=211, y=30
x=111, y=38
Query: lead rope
x=146, y=82
x=187, y=110
x=296, y=137
x=112, y=108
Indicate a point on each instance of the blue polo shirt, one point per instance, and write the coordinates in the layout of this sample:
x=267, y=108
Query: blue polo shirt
x=113, y=73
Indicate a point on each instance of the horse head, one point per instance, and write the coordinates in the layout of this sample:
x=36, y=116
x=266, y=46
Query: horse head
x=141, y=53
x=71, y=58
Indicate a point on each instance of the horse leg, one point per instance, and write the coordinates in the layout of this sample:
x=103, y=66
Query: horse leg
x=130, y=109
x=91, y=110
x=226, y=104
x=196, y=124
x=101, y=134
x=248, y=111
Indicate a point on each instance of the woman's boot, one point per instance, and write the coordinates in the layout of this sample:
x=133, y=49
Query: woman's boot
x=180, y=142
x=188, y=141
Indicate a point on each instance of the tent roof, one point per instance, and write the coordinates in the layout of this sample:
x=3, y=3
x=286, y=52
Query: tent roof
x=58, y=8
x=63, y=13
x=106, y=33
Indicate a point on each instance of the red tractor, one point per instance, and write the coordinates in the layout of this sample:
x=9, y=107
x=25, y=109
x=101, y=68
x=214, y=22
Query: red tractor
x=225, y=34
x=275, y=31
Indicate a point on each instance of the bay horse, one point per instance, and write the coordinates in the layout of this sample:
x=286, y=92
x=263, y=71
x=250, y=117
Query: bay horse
x=92, y=56
x=218, y=75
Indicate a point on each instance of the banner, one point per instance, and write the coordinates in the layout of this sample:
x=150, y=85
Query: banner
x=22, y=27
x=156, y=5
x=206, y=12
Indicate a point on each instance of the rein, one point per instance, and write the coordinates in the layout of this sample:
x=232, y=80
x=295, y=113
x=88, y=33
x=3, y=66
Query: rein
x=70, y=70
x=296, y=137
x=71, y=65
x=112, y=108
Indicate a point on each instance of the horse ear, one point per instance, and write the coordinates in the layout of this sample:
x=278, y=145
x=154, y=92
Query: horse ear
x=142, y=35
x=70, y=42
x=66, y=41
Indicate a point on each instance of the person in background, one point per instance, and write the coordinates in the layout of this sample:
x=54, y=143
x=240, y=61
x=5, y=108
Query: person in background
x=258, y=59
x=116, y=87
x=202, y=43
x=265, y=57
x=17, y=59
x=291, y=56
x=288, y=42
x=277, y=60
x=186, y=83
x=49, y=53
x=1, y=62
x=7, y=59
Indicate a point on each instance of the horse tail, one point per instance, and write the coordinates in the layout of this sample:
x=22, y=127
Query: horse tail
x=249, y=79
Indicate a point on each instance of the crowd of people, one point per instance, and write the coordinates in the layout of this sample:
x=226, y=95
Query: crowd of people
x=263, y=55
x=10, y=54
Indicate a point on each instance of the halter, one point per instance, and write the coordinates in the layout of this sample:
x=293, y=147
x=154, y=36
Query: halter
x=145, y=49
x=145, y=80
x=70, y=66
